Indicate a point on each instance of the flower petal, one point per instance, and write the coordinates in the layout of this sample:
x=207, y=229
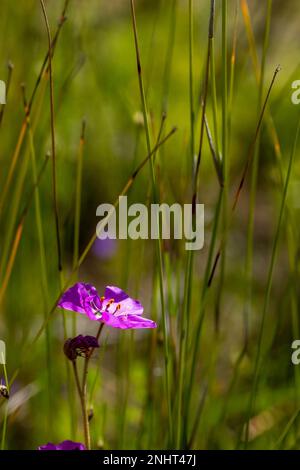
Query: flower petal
x=115, y=309
x=126, y=303
x=70, y=445
x=65, y=445
x=126, y=322
x=76, y=297
x=48, y=446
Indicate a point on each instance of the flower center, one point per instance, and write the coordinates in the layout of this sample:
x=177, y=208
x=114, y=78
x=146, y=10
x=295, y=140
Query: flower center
x=99, y=310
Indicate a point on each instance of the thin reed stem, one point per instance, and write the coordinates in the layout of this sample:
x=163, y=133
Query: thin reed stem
x=259, y=352
x=181, y=435
x=191, y=80
x=42, y=75
x=54, y=184
x=4, y=426
x=43, y=263
x=158, y=247
x=254, y=173
x=246, y=168
x=78, y=207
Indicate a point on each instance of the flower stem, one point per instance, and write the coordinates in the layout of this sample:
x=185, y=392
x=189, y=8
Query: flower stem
x=82, y=391
x=86, y=424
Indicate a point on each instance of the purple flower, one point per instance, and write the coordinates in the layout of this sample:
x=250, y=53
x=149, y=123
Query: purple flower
x=115, y=308
x=65, y=445
x=104, y=249
x=80, y=346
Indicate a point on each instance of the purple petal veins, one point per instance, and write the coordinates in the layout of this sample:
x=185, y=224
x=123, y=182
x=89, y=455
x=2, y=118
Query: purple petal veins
x=115, y=308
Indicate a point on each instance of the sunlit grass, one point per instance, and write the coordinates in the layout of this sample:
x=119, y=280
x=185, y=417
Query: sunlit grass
x=217, y=372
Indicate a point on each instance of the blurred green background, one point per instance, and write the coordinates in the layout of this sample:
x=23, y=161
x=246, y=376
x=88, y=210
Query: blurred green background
x=95, y=78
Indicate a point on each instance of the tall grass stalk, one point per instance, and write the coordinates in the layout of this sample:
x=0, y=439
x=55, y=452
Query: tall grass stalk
x=4, y=425
x=245, y=171
x=214, y=97
x=158, y=247
x=232, y=68
x=225, y=158
x=42, y=76
x=286, y=430
x=216, y=219
x=19, y=185
x=191, y=81
x=201, y=312
x=250, y=36
x=78, y=207
x=169, y=58
x=43, y=263
x=14, y=207
x=53, y=147
x=182, y=407
x=259, y=352
x=54, y=196
x=290, y=226
x=254, y=172
x=28, y=347
x=203, y=296
x=18, y=235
